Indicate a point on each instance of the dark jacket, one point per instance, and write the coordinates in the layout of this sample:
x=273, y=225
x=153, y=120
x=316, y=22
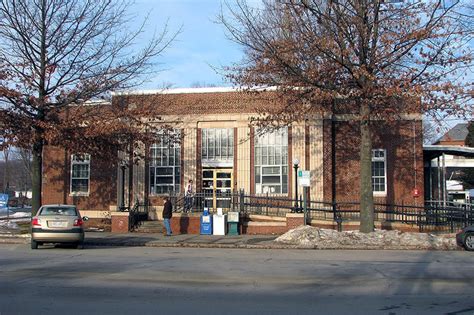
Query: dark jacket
x=167, y=210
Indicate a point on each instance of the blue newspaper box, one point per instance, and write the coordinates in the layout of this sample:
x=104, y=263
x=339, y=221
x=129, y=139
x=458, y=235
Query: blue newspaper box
x=206, y=223
x=4, y=201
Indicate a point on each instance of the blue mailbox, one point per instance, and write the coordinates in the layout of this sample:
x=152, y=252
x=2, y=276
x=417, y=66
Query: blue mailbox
x=206, y=223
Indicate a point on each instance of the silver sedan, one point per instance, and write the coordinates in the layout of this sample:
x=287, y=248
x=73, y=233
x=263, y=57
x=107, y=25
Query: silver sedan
x=57, y=224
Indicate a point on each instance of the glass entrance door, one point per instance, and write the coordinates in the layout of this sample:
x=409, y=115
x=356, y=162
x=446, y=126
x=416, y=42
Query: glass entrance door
x=208, y=188
x=217, y=188
x=223, y=191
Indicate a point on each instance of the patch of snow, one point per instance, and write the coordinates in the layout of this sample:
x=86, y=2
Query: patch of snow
x=16, y=217
x=8, y=225
x=21, y=215
x=313, y=237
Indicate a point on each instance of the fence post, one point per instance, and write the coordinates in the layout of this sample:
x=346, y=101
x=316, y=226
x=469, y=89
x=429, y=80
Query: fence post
x=451, y=219
x=241, y=201
x=173, y=200
x=266, y=205
x=420, y=224
x=300, y=205
x=305, y=204
x=403, y=208
x=437, y=212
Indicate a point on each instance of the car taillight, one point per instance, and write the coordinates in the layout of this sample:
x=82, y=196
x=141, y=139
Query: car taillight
x=35, y=222
x=78, y=222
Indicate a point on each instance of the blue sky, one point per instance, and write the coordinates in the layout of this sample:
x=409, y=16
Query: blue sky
x=199, y=47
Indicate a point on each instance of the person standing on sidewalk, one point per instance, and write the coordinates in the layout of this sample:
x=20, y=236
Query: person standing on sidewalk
x=167, y=214
x=188, y=197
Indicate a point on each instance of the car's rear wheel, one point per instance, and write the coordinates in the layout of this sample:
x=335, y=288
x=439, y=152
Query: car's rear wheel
x=34, y=244
x=469, y=242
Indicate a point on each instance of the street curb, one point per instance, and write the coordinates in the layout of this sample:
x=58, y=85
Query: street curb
x=25, y=239
x=263, y=246
x=14, y=239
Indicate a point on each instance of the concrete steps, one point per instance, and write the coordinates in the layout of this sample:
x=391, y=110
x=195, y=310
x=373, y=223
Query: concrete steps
x=265, y=218
x=150, y=227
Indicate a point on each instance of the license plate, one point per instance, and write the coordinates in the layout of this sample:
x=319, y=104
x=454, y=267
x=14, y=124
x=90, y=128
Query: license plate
x=57, y=224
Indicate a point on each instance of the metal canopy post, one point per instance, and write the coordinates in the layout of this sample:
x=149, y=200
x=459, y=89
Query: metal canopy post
x=444, y=181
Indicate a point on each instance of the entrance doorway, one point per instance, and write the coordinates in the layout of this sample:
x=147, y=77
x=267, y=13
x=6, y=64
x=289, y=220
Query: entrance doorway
x=217, y=188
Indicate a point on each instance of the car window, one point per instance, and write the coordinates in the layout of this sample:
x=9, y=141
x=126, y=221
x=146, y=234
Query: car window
x=58, y=211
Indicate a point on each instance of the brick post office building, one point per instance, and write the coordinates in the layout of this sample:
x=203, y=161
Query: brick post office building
x=220, y=150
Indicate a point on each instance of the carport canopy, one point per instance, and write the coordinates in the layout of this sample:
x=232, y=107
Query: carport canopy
x=434, y=151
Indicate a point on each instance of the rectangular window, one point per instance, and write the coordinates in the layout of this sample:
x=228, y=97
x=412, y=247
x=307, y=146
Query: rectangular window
x=217, y=145
x=271, y=162
x=80, y=174
x=165, y=165
x=379, y=172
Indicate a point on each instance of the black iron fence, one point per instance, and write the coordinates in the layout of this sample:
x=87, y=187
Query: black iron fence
x=432, y=216
x=138, y=214
x=447, y=216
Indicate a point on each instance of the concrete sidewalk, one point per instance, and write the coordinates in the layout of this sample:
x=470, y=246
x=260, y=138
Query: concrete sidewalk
x=299, y=238
x=181, y=240
x=107, y=239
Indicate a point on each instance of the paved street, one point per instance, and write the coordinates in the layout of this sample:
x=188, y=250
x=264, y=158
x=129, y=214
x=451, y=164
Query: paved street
x=142, y=280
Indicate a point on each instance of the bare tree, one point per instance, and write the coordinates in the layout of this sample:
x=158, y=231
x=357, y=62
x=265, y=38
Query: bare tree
x=6, y=171
x=24, y=156
x=58, y=53
x=372, y=56
x=15, y=170
x=430, y=134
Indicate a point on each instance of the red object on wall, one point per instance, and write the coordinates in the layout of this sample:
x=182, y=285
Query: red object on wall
x=416, y=192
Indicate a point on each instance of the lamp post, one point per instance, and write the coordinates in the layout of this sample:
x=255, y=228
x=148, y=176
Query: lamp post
x=296, y=163
x=123, y=166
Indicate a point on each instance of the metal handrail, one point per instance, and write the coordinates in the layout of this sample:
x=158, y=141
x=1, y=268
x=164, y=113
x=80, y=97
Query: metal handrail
x=442, y=215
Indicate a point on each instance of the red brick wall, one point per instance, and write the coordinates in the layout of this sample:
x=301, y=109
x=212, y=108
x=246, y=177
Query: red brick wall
x=262, y=229
x=398, y=138
x=327, y=158
x=56, y=170
x=294, y=220
x=56, y=181
x=205, y=103
x=120, y=224
x=184, y=224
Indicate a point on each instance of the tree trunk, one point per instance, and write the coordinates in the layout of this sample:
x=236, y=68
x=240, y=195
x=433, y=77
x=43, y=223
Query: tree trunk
x=6, y=174
x=37, y=163
x=36, y=176
x=366, y=194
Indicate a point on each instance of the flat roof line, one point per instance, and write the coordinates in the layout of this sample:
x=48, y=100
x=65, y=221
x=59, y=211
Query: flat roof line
x=188, y=91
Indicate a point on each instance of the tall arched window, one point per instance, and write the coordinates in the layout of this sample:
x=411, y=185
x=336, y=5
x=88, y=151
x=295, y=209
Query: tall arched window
x=271, y=162
x=165, y=165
